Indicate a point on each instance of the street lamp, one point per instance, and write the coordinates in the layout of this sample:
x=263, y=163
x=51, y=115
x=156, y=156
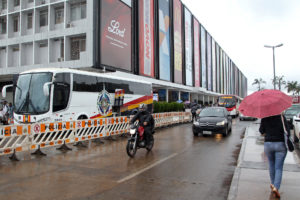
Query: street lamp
x=273, y=47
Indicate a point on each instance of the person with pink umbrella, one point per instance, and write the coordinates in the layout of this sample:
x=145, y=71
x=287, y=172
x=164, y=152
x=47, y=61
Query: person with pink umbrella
x=269, y=105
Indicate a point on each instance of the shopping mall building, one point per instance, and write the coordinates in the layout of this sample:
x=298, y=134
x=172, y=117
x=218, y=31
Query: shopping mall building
x=159, y=41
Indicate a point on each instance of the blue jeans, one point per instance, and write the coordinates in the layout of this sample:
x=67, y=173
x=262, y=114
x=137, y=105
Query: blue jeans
x=276, y=153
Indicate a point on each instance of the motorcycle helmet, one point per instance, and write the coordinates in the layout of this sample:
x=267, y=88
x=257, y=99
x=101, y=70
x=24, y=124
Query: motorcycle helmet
x=142, y=107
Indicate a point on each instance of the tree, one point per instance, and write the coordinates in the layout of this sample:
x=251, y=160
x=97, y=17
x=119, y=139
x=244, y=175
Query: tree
x=292, y=86
x=297, y=90
x=279, y=81
x=259, y=82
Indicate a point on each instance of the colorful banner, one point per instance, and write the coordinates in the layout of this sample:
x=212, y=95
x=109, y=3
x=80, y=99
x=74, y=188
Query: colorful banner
x=209, y=65
x=188, y=48
x=214, y=66
x=218, y=67
x=203, y=57
x=177, y=12
x=221, y=72
x=164, y=40
x=197, y=52
x=146, y=37
x=116, y=34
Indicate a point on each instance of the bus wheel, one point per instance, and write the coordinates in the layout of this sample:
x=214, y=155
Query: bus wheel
x=82, y=117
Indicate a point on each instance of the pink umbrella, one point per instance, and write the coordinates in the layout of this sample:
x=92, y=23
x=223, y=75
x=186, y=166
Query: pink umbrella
x=265, y=103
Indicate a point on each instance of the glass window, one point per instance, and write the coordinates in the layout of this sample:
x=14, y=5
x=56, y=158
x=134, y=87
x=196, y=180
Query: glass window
x=84, y=83
x=29, y=96
x=78, y=45
x=61, y=91
x=4, y=4
x=16, y=23
x=78, y=11
x=59, y=15
x=62, y=53
x=2, y=25
x=43, y=18
x=212, y=112
x=16, y=3
x=30, y=1
x=43, y=44
x=29, y=21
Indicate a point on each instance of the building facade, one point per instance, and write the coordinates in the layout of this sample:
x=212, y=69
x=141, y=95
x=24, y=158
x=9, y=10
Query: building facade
x=45, y=33
x=158, y=40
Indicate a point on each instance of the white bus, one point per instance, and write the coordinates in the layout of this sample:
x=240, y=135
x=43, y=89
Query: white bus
x=62, y=94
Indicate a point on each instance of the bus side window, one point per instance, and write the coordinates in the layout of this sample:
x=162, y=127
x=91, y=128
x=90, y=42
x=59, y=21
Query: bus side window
x=61, y=92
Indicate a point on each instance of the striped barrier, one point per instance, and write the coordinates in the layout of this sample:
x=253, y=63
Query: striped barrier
x=18, y=138
x=14, y=138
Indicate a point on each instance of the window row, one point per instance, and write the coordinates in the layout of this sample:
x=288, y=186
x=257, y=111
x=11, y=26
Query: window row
x=43, y=52
x=85, y=83
x=77, y=12
x=15, y=5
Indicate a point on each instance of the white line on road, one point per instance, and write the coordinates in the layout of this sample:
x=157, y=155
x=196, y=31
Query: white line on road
x=145, y=169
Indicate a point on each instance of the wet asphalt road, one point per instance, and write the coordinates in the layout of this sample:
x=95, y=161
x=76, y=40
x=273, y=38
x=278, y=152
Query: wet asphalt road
x=179, y=167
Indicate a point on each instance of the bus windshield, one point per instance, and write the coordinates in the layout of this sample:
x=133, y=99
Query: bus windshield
x=29, y=96
x=227, y=102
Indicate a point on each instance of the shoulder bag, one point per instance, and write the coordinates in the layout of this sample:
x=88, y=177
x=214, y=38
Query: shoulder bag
x=289, y=143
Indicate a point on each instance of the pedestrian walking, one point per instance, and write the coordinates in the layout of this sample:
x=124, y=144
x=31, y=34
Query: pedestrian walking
x=269, y=105
x=274, y=147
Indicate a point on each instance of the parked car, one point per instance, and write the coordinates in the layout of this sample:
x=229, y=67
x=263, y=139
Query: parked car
x=290, y=113
x=212, y=120
x=243, y=117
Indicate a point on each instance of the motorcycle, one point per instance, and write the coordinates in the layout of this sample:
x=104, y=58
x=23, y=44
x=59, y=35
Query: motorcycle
x=137, y=140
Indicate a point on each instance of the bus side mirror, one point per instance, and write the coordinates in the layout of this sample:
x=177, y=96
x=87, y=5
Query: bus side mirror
x=4, y=90
x=46, y=88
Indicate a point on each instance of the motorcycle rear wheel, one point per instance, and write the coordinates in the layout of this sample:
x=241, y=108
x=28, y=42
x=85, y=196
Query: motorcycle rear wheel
x=131, y=148
x=150, y=145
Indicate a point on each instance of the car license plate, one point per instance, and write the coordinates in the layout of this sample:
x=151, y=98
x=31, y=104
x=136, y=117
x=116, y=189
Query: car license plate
x=207, y=132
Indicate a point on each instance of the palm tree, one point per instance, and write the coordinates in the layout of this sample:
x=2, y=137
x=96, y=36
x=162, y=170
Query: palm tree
x=292, y=86
x=279, y=81
x=259, y=82
x=297, y=90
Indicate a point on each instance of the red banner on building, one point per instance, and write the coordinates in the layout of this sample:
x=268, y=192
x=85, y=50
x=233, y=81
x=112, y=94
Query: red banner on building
x=197, y=52
x=146, y=37
x=177, y=18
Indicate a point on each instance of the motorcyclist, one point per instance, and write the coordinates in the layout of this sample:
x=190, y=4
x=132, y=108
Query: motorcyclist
x=145, y=120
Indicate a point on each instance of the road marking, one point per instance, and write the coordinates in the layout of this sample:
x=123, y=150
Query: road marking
x=147, y=168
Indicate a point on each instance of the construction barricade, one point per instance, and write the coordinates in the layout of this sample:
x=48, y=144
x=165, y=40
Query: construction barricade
x=18, y=138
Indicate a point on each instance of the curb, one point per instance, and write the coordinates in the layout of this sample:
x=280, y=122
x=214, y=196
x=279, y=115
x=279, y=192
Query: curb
x=236, y=176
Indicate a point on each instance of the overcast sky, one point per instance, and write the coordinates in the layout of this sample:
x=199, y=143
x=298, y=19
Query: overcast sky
x=243, y=27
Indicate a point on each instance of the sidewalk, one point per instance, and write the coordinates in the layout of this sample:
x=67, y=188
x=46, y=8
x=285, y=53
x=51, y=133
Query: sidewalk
x=251, y=177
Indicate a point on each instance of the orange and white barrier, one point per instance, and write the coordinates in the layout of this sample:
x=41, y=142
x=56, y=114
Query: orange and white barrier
x=18, y=138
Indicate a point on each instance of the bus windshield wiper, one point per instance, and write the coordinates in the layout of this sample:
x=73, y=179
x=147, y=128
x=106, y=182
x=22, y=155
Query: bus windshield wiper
x=23, y=103
x=30, y=102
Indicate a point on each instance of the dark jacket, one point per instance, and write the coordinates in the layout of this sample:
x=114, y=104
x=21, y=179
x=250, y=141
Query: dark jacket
x=273, y=128
x=143, y=116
